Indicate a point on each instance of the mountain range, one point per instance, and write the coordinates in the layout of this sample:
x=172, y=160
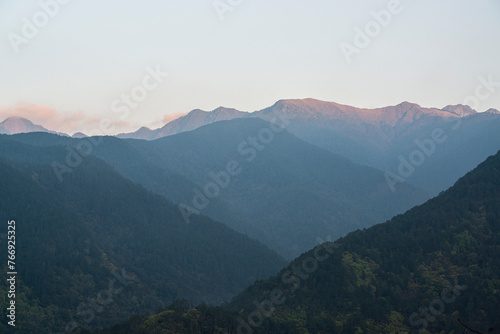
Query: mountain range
x=215, y=202
x=287, y=192
x=434, y=269
x=394, y=139
x=417, y=151
x=391, y=138
x=309, y=109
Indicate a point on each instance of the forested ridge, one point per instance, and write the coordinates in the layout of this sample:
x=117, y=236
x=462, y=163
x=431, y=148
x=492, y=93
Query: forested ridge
x=96, y=248
x=421, y=272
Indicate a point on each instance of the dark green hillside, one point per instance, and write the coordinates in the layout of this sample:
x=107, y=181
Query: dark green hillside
x=378, y=278
x=138, y=166
x=74, y=237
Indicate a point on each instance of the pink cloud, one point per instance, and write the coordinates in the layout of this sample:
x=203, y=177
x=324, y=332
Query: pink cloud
x=35, y=113
x=159, y=122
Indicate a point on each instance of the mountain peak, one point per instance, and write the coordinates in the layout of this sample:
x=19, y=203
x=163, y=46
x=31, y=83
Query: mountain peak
x=14, y=125
x=197, y=118
x=307, y=102
x=79, y=135
x=460, y=110
x=224, y=109
x=408, y=105
x=493, y=111
x=16, y=119
x=304, y=108
x=216, y=111
x=143, y=133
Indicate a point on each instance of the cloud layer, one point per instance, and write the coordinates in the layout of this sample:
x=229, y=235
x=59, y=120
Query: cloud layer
x=67, y=122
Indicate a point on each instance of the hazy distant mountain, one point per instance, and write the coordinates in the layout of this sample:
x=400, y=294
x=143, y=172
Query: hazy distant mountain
x=362, y=135
x=309, y=110
x=464, y=143
x=13, y=125
x=380, y=137
x=191, y=121
x=289, y=193
x=493, y=111
x=460, y=110
x=198, y=118
x=389, y=137
x=79, y=135
x=385, y=138
x=143, y=133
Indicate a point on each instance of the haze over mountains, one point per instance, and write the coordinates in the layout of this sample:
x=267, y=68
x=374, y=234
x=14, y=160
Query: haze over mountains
x=389, y=139
x=384, y=279
x=422, y=272
x=311, y=110
x=384, y=137
x=214, y=201
x=191, y=121
x=286, y=194
x=289, y=191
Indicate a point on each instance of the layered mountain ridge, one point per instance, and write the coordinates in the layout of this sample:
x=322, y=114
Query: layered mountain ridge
x=386, y=138
x=73, y=236
x=434, y=269
x=304, y=109
x=193, y=120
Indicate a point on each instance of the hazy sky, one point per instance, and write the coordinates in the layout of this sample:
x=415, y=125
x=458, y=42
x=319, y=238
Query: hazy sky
x=75, y=70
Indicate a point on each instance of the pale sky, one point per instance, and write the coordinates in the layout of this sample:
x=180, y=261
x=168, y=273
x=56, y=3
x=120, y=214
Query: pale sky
x=68, y=75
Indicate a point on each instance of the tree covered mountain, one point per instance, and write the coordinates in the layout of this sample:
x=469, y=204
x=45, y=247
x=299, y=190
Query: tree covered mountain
x=96, y=248
x=429, y=270
x=285, y=192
